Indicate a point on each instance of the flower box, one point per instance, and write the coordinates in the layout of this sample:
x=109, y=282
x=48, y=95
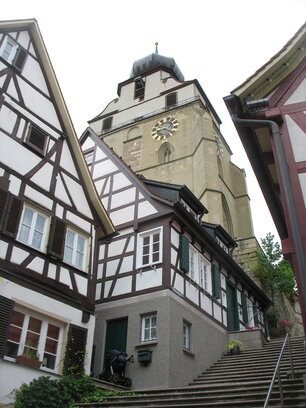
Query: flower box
x=24, y=360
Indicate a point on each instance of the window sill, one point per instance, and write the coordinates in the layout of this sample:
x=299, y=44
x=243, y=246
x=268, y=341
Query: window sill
x=146, y=343
x=188, y=352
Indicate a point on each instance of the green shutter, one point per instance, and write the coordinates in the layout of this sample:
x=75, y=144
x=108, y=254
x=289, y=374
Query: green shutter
x=245, y=316
x=256, y=319
x=184, y=253
x=216, y=281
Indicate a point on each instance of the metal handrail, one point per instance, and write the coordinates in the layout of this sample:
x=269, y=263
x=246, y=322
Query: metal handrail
x=277, y=372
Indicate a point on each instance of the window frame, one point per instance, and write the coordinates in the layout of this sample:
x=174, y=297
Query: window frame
x=140, y=246
x=75, y=250
x=151, y=327
x=45, y=233
x=13, y=51
x=29, y=132
x=186, y=335
x=43, y=335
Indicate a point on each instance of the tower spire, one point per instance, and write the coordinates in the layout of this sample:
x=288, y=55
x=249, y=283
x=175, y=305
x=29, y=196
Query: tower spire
x=156, y=47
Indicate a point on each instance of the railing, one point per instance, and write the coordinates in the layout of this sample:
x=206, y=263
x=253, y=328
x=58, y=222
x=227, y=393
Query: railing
x=277, y=372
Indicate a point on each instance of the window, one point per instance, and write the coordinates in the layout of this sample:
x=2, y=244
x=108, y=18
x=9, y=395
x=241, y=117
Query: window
x=193, y=263
x=139, y=88
x=186, y=335
x=13, y=53
x=36, y=139
x=75, y=251
x=29, y=333
x=204, y=274
x=148, y=327
x=171, y=99
x=33, y=228
x=150, y=247
x=107, y=124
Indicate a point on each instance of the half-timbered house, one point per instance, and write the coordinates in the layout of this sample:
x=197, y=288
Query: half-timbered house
x=50, y=219
x=168, y=290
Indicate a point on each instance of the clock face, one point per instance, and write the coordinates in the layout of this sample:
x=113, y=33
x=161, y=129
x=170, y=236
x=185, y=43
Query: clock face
x=164, y=128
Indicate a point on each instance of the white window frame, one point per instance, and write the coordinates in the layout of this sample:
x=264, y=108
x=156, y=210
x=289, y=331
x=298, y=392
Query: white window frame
x=42, y=338
x=186, y=335
x=204, y=273
x=75, y=250
x=140, y=247
x=13, y=50
x=151, y=329
x=32, y=228
x=199, y=269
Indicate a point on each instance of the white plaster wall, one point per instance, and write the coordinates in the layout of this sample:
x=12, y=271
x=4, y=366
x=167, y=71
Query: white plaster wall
x=149, y=279
x=145, y=208
x=38, y=197
x=12, y=160
x=302, y=179
x=124, y=197
x=78, y=221
x=123, y=216
x=12, y=376
x=32, y=72
x=297, y=138
x=37, y=103
x=7, y=119
x=77, y=193
x=67, y=161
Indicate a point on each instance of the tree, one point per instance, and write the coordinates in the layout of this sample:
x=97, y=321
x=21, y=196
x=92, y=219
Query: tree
x=273, y=270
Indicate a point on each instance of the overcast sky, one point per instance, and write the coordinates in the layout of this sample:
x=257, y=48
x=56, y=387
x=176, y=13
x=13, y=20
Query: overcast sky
x=93, y=44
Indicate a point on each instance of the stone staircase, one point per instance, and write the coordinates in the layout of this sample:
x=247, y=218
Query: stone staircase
x=240, y=381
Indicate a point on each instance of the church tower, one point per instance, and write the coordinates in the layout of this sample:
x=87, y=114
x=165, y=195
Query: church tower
x=166, y=129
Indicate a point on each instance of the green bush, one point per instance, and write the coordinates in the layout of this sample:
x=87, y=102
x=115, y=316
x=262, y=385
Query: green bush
x=45, y=392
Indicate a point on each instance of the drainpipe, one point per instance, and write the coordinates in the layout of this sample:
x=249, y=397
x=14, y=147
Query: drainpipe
x=288, y=196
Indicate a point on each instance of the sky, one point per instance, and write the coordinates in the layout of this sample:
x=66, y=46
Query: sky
x=92, y=45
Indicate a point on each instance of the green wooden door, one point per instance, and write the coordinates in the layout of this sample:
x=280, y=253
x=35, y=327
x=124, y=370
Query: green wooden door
x=232, y=308
x=116, y=334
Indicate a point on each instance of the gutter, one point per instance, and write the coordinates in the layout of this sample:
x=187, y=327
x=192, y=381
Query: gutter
x=287, y=189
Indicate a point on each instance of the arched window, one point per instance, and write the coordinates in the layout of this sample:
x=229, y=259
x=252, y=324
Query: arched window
x=134, y=132
x=165, y=153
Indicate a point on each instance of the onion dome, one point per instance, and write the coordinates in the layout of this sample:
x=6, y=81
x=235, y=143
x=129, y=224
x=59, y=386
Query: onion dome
x=153, y=61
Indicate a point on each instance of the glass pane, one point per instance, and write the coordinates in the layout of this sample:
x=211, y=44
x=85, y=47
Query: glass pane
x=153, y=321
x=53, y=331
x=14, y=334
x=27, y=217
x=32, y=339
x=17, y=318
x=145, y=250
x=69, y=239
x=156, y=257
x=51, y=346
x=40, y=223
x=11, y=349
x=147, y=323
x=156, y=247
x=145, y=259
x=156, y=238
x=24, y=234
x=146, y=240
x=34, y=325
x=68, y=255
x=153, y=333
x=37, y=238
x=79, y=260
x=49, y=361
x=81, y=244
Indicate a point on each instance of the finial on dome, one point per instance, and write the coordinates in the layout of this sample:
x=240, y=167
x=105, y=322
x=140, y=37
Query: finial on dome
x=156, y=47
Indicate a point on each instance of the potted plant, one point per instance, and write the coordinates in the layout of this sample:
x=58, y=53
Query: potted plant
x=29, y=358
x=234, y=347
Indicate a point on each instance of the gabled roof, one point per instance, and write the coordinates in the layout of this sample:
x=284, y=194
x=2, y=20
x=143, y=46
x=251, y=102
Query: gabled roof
x=32, y=26
x=266, y=78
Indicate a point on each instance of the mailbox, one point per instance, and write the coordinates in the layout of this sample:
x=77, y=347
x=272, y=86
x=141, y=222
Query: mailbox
x=145, y=356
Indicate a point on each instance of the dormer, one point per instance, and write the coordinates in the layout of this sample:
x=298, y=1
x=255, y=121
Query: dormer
x=225, y=241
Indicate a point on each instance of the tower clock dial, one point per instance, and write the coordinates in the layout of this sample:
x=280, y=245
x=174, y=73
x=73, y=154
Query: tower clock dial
x=164, y=128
